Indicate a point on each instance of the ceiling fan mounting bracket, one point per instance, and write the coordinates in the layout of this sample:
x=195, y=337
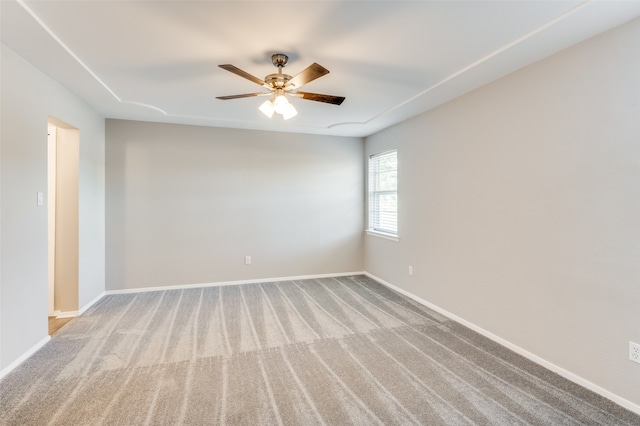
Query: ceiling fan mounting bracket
x=279, y=60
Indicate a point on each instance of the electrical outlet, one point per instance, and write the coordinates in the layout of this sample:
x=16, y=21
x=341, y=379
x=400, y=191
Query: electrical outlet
x=411, y=271
x=634, y=352
x=247, y=260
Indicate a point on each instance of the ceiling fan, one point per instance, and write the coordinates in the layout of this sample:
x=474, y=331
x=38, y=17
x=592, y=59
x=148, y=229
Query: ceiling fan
x=281, y=84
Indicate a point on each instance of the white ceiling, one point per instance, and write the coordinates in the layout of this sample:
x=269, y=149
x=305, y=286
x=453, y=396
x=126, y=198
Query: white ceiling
x=157, y=60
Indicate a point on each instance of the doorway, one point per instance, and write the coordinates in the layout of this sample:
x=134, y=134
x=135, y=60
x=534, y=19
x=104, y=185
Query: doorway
x=63, y=154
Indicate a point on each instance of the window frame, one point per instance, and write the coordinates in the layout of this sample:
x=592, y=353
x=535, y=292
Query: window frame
x=373, y=194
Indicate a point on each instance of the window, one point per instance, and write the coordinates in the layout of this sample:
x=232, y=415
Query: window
x=383, y=193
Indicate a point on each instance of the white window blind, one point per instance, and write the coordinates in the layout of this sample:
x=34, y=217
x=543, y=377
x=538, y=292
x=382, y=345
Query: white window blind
x=383, y=192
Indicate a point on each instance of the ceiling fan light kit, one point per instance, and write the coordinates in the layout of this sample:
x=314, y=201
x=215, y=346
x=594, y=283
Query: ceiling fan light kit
x=267, y=108
x=280, y=85
x=280, y=105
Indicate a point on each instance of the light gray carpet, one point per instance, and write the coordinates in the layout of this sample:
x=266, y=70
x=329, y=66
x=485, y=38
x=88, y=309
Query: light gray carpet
x=331, y=351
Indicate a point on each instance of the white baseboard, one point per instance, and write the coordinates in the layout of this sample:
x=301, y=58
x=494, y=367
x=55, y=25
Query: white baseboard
x=34, y=349
x=73, y=314
x=90, y=304
x=24, y=357
x=517, y=349
x=67, y=314
x=225, y=283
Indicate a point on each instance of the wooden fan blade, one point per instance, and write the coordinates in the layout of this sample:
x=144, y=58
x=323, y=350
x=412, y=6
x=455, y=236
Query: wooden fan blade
x=243, y=74
x=327, y=99
x=246, y=95
x=307, y=75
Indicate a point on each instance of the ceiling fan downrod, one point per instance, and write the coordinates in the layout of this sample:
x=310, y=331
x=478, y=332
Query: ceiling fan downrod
x=280, y=79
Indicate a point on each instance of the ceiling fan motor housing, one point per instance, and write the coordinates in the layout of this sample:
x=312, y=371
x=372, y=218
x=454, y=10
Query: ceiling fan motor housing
x=277, y=80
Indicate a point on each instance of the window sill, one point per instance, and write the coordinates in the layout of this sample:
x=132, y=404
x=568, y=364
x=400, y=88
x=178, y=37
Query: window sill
x=382, y=235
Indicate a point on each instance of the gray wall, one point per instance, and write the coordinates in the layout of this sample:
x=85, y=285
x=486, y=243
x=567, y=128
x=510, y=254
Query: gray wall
x=27, y=98
x=185, y=204
x=519, y=209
